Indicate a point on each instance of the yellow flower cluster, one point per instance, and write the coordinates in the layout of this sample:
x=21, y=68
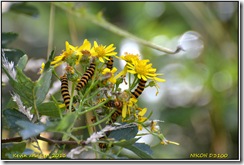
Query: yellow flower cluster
x=141, y=69
x=74, y=53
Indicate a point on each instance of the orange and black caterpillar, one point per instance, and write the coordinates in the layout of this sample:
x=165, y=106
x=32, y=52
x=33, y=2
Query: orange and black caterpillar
x=86, y=76
x=139, y=89
x=115, y=104
x=110, y=63
x=65, y=91
x=103, y=146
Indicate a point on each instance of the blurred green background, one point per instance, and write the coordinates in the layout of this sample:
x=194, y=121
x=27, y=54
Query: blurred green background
x=198, y=103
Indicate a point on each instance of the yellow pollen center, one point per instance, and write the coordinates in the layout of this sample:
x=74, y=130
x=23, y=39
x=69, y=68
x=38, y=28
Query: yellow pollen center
x=100, y=51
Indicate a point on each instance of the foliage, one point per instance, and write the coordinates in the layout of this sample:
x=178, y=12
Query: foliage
x=102, y=88
x=102, y=120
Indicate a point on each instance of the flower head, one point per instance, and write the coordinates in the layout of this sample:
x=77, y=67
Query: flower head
x=143, y=70
x=110, y=74
x=127, y=105
x=140, y=117
x=70, y=50
x=102, y=52
x=128, y=57
x=72, y=54
x=84, y=49
x=42, y=68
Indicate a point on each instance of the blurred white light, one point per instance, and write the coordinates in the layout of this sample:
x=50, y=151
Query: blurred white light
x=154, y=9
x=191, y=43
x=6, y=6
x=34, y=64
x=178, y=90
x=149, y=94
x=225, y=10
x=124, y=86
x=128, y=46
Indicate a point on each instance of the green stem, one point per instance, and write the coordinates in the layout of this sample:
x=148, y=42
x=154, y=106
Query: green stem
x=35, y=107
x=94, y=124
x=135, y=82
x=56, y=102
x=51, y=29
x=93, y=108
x=71, y=98
x=100, y=21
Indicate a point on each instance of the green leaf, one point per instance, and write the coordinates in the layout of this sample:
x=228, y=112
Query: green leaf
x=22, y=84
x=66, y=122
x=24, y=87
x=48, y=63
x=24, y=8
x=10, y=150
x=8, y=37
x=29, y=129
x=124, y=143
x=144, y=147
x=22, y=62
x=141, y=150
x=12, y=116
x=42, y=86
x=126, y=132
x=49, y=109
x=13, y=54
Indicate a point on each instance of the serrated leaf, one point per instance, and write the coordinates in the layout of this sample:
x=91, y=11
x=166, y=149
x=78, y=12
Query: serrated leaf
x=29, y=129
x=22, y=62
x=8, y=38
x=24, y=87
x=66, y=122
x=10, y=149
x=49, y=109
x=42, y=86
x=24, y=8
x=125, y=132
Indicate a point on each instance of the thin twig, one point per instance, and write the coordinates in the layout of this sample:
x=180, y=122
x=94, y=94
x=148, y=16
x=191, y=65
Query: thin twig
x=51, y=141
x=100, y=21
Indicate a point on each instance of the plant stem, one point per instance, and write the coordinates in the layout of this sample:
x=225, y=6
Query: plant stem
x=100, y=21
x=51, y=29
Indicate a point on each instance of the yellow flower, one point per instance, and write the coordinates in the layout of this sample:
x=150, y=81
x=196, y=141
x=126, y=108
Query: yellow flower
x=110, y=74
x=75, y=53
x=103, y=52
x=143, y=70
x=70, y=50
x=128, y=57
x=42, y=68
x=140, y=117
x=84, y=49
x=127, y=105
x=154, y=126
